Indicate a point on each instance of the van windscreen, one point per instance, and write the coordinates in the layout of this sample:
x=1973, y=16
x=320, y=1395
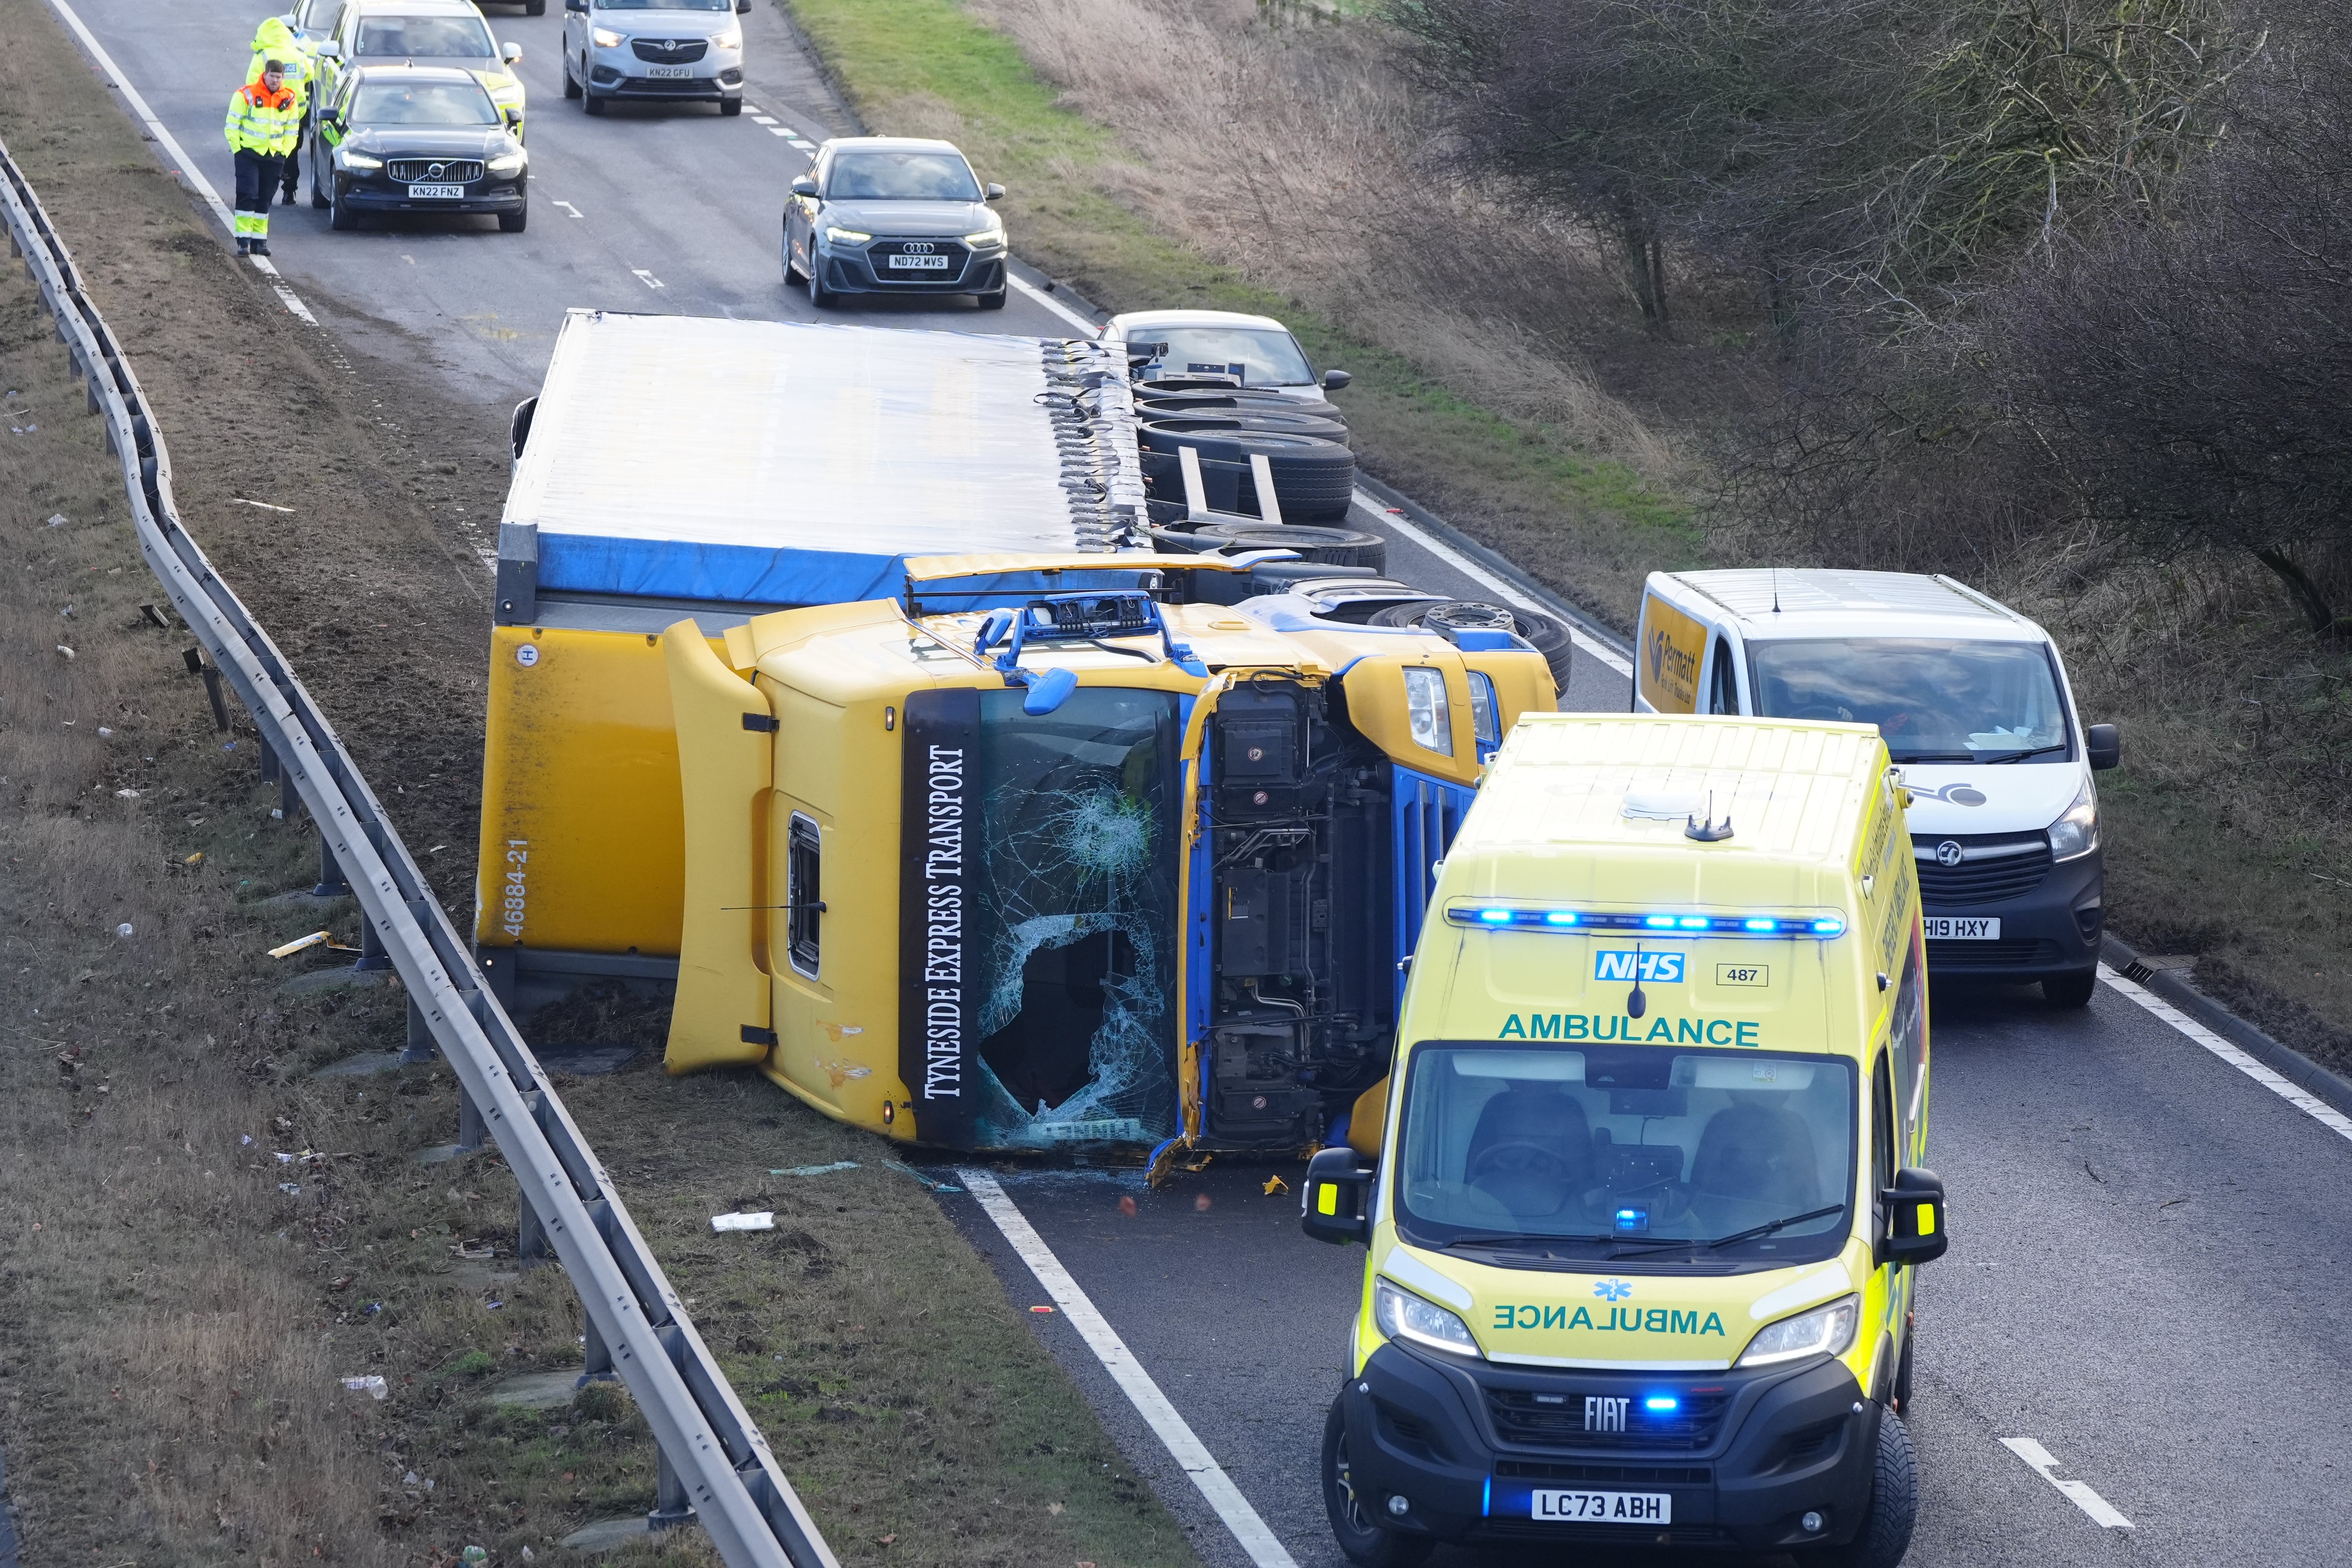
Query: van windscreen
x=1621, y=1153
x=1934, y=700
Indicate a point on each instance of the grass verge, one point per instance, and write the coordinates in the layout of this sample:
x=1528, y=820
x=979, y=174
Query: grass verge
x=1589, y=526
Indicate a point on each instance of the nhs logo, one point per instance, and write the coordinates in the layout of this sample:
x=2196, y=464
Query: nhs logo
x=1651, y=968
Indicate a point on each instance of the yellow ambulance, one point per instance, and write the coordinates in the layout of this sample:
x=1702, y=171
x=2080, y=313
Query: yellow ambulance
x=1643, y=1192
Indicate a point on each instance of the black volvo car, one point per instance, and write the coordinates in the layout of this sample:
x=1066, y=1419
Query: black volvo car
x=418, y=139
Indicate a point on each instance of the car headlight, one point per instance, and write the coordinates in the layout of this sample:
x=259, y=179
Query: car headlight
x=987, y=238
x=840, y=236
x=1403, y=1315
x=732, y=38
x=1427, y=713
x=507, y=164
x=605, y=38
x=2077, y=832
x=351, y=160
x=1824, y=1331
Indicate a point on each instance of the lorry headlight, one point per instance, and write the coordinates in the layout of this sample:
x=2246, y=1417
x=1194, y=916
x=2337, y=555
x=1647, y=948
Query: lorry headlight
x=1426, y=714
x=840, y=236
x=1403, y=1315
x=2077, y=832
x=732, y=38
x=1824, y=1331
x=605, y=38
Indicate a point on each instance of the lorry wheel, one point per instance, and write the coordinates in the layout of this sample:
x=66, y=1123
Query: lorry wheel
x=1324, y=545
x=1885, y=1532
x=1548, y=636
x=2071, y=990
x=1362, y=1541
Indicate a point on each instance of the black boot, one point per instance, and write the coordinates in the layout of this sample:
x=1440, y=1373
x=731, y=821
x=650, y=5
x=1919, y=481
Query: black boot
x=244, y=246
x=260, y=248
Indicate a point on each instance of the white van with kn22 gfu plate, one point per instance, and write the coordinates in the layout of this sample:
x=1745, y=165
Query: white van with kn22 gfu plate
x=1973, y=703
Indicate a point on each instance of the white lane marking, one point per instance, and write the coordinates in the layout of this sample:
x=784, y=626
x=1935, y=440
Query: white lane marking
x=170, y=145
x=2318, y=1110
x=761, y=120
x=1397, y=523
x=1090, y=328
x=1218, y=1488
x=752, y=108
x=567, y=206
x=807, y=147
x=779, y=130
x=2102, y=1512
x=647, y=278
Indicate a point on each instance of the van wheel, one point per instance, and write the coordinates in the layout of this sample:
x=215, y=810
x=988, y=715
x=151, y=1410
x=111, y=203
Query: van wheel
x=1899, y=1396
x=1362, y=1541
x=2070, y=991
x=1885, y=1532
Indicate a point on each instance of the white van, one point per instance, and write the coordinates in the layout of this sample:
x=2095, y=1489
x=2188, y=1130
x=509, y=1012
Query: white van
x=1973, y=703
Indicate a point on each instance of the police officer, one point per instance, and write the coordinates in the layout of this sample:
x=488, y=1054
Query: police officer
x=263, y=122
x=274, y=40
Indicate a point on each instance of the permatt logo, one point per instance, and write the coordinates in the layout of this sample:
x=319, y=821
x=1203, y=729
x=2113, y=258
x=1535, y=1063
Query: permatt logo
x=1625, y=963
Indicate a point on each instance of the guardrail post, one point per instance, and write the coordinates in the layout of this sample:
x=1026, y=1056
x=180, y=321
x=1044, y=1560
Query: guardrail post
x=331, y=884
x=595, y=1359
x=670, y=1507
x=530, y=1233
x=198, y=664
x=371, y=949
x=470, y=1126
x=269, y=768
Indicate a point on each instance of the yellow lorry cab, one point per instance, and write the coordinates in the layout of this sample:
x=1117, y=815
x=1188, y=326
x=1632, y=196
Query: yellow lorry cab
x=1643, y=1192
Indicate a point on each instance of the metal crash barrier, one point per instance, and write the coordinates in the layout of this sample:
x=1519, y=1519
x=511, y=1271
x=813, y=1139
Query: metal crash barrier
x=713, y=1458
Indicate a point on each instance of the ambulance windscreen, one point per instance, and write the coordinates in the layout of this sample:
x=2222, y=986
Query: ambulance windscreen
x=1746, y=1157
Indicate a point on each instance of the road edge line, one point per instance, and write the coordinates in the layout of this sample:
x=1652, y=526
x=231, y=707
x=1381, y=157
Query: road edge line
x=1091, y=328
x=2104, y=1514
x=187, y=169
x=2278, y=1083
x=1249, y=1531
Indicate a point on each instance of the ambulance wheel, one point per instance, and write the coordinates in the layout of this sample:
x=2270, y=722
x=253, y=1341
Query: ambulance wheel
x=2070, y=991
x=1885, y=1532
x=1361, y=1542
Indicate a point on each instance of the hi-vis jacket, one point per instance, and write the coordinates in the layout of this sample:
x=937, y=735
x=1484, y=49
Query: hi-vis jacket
x=274, y=40
x=262, y=121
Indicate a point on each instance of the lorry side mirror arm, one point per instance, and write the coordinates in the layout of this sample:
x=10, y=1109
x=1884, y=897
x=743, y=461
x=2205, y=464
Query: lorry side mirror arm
x=1913, y=1207
x=1335, y=1201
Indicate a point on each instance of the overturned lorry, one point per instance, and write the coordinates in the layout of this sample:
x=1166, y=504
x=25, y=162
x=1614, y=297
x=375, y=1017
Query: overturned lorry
x=1001, y=833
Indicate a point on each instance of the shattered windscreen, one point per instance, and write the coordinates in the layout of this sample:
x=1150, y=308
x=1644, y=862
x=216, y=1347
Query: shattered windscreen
x=1071, y=919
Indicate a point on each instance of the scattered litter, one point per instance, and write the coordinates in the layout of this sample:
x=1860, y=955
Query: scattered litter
x=154, y=614
x=409, y=1479
x=195, y=859
x=1043, y=1311
x=1201, y=1203
x=526, y=1554
x=66, y=613
x=763, y=1220
x=493, y=1306
x=815, y=1169
x=246, y=1141
x=229, y=746
x=372, y=1309
x=473, y=1554
x=1275, y=1184
x=477, y=1251
x=57, y=519
x=434, y=850
x=371, y=1385
x=104, y=733
x=291, y=1189
x=1126, y=1208
x=276, y=813
x=65, y=650
x=936, y=1186
x=265, y=506
x=122, y=930
x=316, y=939
x=126, y=794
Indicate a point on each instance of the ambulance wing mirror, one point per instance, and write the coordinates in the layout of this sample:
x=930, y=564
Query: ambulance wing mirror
x=1913, y=1207
x=1335, y=1201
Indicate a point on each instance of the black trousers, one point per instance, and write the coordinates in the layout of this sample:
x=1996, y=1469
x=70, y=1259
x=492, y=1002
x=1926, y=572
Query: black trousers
x=293, y=171
x=257, y=178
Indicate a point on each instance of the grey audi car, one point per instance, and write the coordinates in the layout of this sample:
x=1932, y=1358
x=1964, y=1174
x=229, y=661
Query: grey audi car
x=894, y=215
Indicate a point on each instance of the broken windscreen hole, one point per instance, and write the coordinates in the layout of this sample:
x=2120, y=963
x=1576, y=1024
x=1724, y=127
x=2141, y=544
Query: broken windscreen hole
x=1046, y=1053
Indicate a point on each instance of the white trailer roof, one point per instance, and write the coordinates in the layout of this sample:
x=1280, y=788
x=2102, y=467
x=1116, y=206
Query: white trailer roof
x=780, y=462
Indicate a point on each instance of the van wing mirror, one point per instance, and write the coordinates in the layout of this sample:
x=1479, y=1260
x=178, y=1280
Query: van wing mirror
x=2104, y=744
x=1335, y=1201
x=1914, y=1218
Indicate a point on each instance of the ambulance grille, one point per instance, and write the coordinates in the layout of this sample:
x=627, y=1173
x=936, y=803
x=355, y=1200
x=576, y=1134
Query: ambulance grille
x=1519, y=1419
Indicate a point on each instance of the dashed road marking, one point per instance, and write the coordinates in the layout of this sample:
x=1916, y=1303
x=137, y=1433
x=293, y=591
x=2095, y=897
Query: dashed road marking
x=567, y=206
x=1396, y=523
x=647, y=278
x=2102, y=1512
x=778, y=131
x=1249, y=1531
x=187, y=168
x=761, y=120
x=2318, y=1110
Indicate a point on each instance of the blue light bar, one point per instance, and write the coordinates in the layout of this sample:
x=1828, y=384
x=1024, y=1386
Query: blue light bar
x=1633, y=1219
x=1666, y=1403
x=1797, y=924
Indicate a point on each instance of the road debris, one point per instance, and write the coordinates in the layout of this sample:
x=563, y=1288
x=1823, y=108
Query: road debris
x=765, y=1219
x=372, y=1385
x=815, y=1169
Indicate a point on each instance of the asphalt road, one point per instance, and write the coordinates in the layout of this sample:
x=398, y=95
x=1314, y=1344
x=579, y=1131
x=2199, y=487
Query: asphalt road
x=2152, y=1274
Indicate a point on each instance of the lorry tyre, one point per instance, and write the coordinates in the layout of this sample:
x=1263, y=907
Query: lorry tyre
x=1177, y=405
x=1212, y=420
x=1893, y=1508
x=2070, y=991
x=1314, y=542
x=1362, y=1541
x=1547, y=636
x=1170, y=539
